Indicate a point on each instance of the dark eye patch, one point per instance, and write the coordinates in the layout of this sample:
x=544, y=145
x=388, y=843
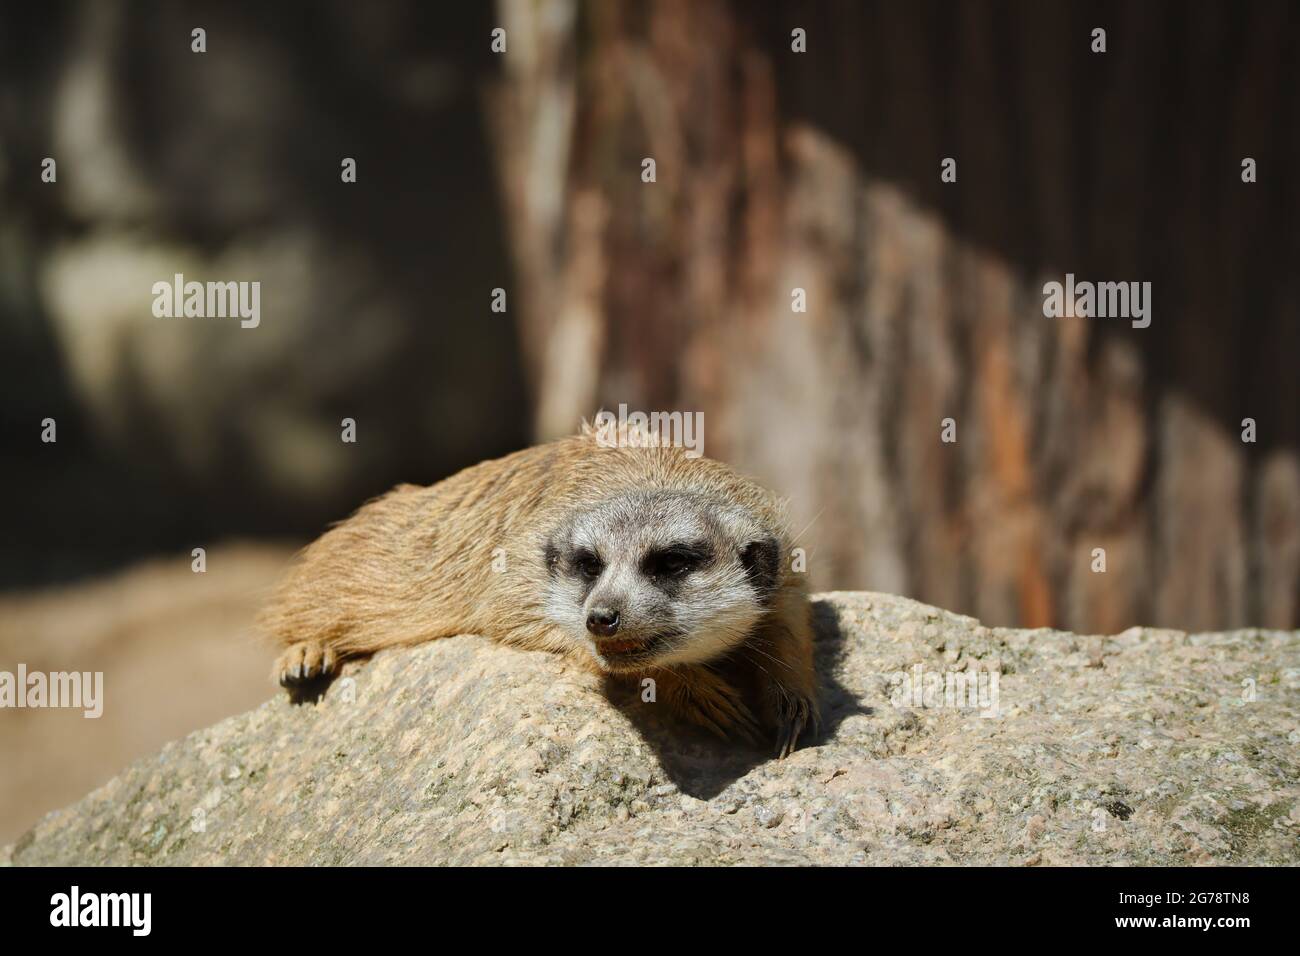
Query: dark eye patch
x=586, y=564
x=675, y=561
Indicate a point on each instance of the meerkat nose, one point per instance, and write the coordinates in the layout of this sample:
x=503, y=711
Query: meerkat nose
x=603, y=622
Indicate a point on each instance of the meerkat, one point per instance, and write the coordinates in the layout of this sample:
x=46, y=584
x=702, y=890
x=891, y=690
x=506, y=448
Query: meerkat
x=630, y=557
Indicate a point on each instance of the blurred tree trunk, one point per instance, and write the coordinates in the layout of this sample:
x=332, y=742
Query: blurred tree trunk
x=820, y=171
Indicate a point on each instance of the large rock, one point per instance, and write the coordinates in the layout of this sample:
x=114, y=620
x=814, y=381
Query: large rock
x=1149, y=747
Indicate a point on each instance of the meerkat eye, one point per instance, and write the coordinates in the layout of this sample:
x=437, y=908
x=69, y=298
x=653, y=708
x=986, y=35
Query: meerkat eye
x=672, y=562
x=587, y=564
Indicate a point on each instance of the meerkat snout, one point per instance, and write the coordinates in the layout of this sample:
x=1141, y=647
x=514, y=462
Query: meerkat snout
x=603, y=621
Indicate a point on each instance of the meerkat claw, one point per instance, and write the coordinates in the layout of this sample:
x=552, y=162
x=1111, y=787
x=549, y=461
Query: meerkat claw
x=795, y=715
x=303, y=662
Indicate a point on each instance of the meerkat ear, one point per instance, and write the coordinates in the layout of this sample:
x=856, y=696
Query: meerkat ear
x=762, y=559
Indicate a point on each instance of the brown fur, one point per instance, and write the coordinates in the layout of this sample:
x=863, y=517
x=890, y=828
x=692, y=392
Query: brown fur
x=418, y=564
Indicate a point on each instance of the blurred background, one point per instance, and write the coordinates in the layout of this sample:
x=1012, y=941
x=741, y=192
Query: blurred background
x=521, y=171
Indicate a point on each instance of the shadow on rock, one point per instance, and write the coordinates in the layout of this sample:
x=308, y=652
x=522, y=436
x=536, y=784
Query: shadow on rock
x=837, y=701
x=703, y=766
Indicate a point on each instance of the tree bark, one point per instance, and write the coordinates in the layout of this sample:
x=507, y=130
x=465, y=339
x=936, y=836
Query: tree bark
x=820, y=171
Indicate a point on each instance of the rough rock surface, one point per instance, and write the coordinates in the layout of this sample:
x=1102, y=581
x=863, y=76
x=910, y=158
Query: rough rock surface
x=1148, y=747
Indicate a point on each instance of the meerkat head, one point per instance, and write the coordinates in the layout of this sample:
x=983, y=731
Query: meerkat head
x=660, y=578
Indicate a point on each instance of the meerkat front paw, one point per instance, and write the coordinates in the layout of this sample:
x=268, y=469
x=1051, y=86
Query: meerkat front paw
x=703, y=698
x=781, y=654
x=304, y=661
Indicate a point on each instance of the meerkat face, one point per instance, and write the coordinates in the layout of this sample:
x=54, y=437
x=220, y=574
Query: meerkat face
x=660, y=578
